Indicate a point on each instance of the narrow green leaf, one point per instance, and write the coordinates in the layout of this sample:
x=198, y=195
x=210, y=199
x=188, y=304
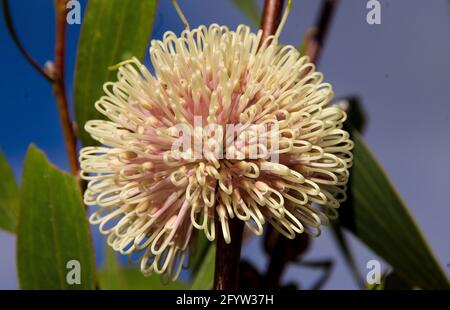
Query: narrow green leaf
x=112, y=31
x=377, y=215
x=201, y=249
x=205, y=276
x=113, y=276
x=250, y=9
x=52, y=233
x=9, y=196
x=356, y=115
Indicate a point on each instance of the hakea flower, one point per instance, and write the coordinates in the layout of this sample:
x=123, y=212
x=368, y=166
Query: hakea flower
x=153, y=197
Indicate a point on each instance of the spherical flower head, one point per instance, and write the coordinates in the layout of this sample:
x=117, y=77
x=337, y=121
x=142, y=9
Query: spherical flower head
x=285, y=160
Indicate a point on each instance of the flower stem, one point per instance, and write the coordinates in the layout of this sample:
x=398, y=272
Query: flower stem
x=226, y=275
x=228, y=256
x=271, y=16
x=59, y=85
x=18, y=43
x=316, y=35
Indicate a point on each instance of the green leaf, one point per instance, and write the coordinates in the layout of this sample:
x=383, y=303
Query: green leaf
x=390, y=281
x=112, y=31
x=9, y=196
x=375, y=287
x=204, y=279
x=377, y=215
x=250, y=9
x=116, y=277
x=201, y=249
x=52, y=232
x=356, y=115
x=393, y=281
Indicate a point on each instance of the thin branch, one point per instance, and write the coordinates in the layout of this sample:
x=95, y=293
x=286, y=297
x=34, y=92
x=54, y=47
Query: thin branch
x=325, y=265
x=344, y=247
x=226, y=276
x=317, y=34
x=56, y=77
x=281, y=251
x=59, y=85
x=271, y=16
x=18, y=43
x=277, y=262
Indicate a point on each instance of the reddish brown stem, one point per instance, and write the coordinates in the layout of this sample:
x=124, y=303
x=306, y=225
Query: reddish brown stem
x=271, y=16
x=228, y=256
x=316, y=35
x=59, y=85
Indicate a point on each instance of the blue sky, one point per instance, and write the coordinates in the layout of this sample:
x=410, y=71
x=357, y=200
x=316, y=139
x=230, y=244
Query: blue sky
x=399, y=68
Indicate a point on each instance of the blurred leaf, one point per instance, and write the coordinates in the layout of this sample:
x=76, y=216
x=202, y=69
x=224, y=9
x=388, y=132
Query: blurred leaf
x=201, y=249
x=52, y=230
x=346, y=251
x=204, y=279
x=377, y=215
x=307, y=37
x=112, y=31
x=375, y=287
x=356, y=115
x=116, y=277
x=250, y=9
x=391, y=281
x=9, y=196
